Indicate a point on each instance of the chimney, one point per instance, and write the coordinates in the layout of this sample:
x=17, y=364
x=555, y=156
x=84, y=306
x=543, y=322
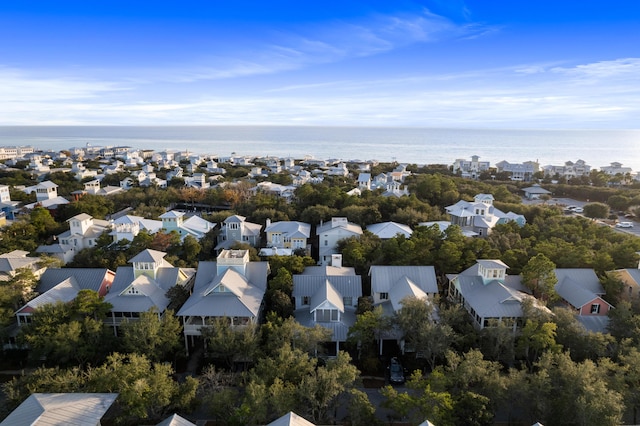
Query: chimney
x=336, y=260
x=268, y=223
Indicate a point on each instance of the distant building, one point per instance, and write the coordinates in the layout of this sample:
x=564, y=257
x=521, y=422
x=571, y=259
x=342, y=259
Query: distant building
x=470, y=169
x=480, y=216
x=331, y=232
x=519, y=172
x=568, y=170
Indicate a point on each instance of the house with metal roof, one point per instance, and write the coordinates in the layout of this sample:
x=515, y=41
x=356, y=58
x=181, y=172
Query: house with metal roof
x=331, y=232
x=185, y=225
x=11, y=262
x=231, y=287
x=291, y=419
x=387, y=230
x=46, y=195
x=234, y=229
x=534, y=192
x=480, y=215
x=488, y=293
x=175, y=420
x=285, y=237
x=327, y=300
x=630, y=278
x=126, y=227
x=63, y=285
x=69, y=409
x=143, y=286
x=83, y=232
x=581, y=290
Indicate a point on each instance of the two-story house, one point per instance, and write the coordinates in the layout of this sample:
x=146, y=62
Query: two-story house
x=284, y=237
x=480, y=215
x=489, y=294
x=234, y=229
x=143, y=286
x=83, y=232
x=193, y=225
x=331, y=232
x=327, y=300
x=231, y=287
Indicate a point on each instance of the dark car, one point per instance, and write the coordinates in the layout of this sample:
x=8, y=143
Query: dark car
x=396, y=372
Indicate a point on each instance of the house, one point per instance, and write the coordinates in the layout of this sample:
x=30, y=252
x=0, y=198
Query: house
x=391, y=284
x=85, y=409
x=287, y=236
x=63, y=285
x=479, y=216
x=232, y=287
x=291, y=419
x=234, y=229
x=339, y=169
x=143, y=286
x=615, y=168
x=522, y=172
x=11, y=262
x=175, y=420
x=630, y=278
x=393, y=188
x=534, y=192
x=331, y=232
x=387, y=230
x=488, y=293
x=194, y=225
x=327, y=300
x=46, y=196
x=470, y=169
x=83, y=233
x=7, y=206
x=581, y=290
x=128, y=226
x=568, y=170
x=364, y=181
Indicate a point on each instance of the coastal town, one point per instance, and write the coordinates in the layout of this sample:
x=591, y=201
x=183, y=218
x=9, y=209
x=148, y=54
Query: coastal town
x=175, y=288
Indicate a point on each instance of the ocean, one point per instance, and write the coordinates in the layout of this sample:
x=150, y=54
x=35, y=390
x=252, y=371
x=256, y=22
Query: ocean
x=403, y=144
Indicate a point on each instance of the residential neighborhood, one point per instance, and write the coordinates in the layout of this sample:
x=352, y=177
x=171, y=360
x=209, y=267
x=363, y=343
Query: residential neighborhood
x=219, y=267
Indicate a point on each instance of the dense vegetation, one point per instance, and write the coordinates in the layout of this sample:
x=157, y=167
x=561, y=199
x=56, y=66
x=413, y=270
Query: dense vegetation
x=550, y=371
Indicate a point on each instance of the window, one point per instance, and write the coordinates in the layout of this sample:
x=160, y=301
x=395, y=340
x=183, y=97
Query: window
x=495, y=273
x=384, y=296
x=306, y=300
x=233, y=225
x=326, y=242
x=347, y=301
x=595, y=308
x=326, y=315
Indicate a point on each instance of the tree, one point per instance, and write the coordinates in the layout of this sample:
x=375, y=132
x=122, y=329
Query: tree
x=153, y=335
x=420, y=332
x=227, y=343
x=63, y=333
x=539, y=276
x=278, y=332
x=366, y=333
x=423, y=402
x=596, y=210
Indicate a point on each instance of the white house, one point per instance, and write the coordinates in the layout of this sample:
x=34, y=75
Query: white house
x=327, y=300
x=285, y=237
x=236, y=229
x=194, y=225
x=231, y=287
x=83, y=233
x=479, y=216
x=330, y=233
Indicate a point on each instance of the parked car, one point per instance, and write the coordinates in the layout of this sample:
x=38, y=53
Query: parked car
x=624, y=225
x=578, y=210
x=396, y=372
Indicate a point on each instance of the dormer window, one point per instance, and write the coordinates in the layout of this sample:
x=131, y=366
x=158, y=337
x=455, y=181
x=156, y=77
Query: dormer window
x=234, y=226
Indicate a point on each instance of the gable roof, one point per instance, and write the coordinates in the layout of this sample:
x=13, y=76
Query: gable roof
x=65, y=291
x=148, y=256
x=242, y=296
x=384, y=278
x=290, y=228
x=175, y=420
x=291, y=419
x=69, y=409
x=578, y=286
x=326, y=293
x=389, y=229
x=86, y=278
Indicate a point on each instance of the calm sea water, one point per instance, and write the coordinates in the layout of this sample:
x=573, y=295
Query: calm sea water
x=413, y=145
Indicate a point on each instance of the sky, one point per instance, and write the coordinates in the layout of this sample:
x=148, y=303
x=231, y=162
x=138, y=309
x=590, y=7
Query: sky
x=543, y=64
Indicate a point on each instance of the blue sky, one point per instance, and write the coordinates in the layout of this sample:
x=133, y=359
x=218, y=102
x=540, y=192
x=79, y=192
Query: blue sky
x=437, y=63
